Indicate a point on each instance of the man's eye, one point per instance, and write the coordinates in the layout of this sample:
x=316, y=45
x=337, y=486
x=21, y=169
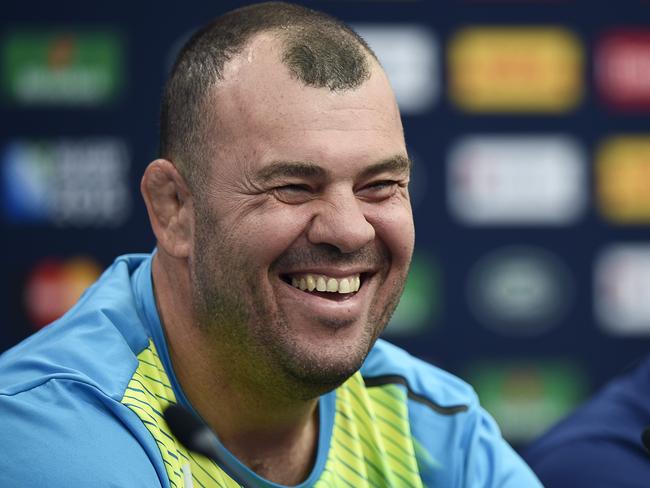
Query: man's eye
x=382, y=185
x=379, y=190
x=294, y=188
x=292, y=193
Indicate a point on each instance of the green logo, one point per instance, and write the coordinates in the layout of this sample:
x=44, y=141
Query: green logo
x=526, y=398
x=419, y=304
x=62, y=68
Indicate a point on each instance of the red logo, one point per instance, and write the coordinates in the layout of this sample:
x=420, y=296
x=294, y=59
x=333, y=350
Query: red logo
x=53, y=286
x=623, y=69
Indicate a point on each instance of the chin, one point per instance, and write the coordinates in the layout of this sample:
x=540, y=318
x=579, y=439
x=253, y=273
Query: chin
x=312, y=384
x=317, y=372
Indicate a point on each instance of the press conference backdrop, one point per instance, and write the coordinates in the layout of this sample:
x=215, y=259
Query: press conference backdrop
x=528, y=123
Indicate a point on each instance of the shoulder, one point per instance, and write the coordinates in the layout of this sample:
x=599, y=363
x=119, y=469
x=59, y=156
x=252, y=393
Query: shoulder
x=65, y=433
x=457, y=441
x=95, y=342
x=444, y=392
x=596, y=462
x=600, y=443
x=60, y=391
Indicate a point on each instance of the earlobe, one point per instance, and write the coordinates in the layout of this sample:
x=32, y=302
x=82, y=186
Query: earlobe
x=169, y=205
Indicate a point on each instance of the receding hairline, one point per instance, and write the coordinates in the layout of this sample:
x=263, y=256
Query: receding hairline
x=319, y=51
x=283, y=37
x=277, y=38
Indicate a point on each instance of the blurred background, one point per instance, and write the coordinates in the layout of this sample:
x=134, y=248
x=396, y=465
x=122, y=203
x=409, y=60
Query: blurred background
x=528, y=122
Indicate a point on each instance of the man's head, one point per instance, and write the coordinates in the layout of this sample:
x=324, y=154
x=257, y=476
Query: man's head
x=290, y=175
x=319, y=50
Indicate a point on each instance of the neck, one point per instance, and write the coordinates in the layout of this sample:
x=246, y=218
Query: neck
x=272, y=434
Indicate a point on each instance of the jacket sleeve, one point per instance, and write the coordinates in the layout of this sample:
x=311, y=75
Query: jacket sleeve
x=463, y=447
x=491, y=462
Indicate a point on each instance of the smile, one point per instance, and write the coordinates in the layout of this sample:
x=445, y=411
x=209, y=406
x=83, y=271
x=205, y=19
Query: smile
x=328, y=284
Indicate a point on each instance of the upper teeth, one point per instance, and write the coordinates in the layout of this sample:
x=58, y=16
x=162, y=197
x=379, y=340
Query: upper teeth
x=310, y=282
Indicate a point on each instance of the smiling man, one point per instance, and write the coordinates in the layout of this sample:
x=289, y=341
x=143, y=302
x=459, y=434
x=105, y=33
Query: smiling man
x=281, y=210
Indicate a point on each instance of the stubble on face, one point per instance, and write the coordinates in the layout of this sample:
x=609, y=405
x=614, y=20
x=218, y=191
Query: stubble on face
x=246, y=325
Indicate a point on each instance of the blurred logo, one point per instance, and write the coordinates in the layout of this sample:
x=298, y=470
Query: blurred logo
x=53, y=286
x=410, y=55
x=62, y=68
x=527, y=398
x=519, y=291
x=419, y=305
x=515, y=69
x=623, y=179
x=517, y=180
x=622, y=289
x=81, y=183
x=622, y=63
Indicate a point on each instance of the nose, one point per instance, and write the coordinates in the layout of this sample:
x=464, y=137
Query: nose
x=341, y=222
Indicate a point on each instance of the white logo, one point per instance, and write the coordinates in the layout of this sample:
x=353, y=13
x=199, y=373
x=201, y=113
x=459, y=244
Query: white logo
x=622, y=289
x=517, y=180
x=409, y=53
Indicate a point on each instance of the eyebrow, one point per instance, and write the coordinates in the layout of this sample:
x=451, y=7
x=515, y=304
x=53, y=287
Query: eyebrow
x=300, y=169
x=396, y=164
x=297, y=169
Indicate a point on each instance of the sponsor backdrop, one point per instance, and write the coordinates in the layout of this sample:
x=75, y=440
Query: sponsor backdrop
x=528, y=123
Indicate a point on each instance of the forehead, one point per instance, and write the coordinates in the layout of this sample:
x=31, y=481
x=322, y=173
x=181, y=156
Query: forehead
x=265, y=114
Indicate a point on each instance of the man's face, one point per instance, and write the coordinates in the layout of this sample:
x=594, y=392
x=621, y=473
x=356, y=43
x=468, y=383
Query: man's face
x=307, y=189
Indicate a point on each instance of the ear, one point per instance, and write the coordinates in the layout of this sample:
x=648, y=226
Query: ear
x=169, y=205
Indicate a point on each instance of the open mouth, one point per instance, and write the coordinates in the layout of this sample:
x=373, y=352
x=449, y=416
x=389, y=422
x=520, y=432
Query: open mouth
x=326, y=286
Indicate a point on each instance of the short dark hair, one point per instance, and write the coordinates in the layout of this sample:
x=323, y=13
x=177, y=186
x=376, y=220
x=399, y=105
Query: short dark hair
x=318, y=49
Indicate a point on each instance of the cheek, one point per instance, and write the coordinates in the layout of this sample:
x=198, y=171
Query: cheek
x=269, y=235
x=394, y=227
